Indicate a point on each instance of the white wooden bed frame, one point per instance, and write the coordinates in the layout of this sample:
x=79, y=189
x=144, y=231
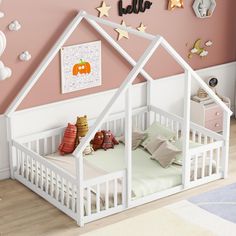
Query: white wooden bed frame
x=72, y=193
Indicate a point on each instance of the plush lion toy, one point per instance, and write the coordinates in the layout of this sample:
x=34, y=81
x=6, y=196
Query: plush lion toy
x=98, y=140
x=82, y=127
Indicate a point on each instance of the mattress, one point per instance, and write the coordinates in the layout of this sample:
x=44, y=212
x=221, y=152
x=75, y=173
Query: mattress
x=147, y=175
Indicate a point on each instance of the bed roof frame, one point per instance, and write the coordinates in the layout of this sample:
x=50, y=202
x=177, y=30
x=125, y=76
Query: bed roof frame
x=156, y=41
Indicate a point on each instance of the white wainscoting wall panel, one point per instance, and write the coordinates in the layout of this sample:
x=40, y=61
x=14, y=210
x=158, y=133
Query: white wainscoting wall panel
x=168, y=95
x=4, y=163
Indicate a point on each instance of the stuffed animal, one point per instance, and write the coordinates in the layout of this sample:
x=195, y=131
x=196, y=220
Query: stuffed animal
x=82, y=127
x=88, y=150
x=109, y=140
x=98, y=140
x=68, y=142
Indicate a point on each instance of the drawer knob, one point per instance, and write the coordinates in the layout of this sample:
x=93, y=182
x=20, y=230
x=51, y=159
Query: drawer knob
x=217, y=125
x=217, y=113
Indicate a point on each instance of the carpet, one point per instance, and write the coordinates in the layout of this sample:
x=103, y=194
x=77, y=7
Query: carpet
x=221, y=202
x=210, y=213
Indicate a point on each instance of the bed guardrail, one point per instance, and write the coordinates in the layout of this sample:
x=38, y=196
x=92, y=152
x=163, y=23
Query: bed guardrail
x=206, y=161
x=104, y=195
x=49, y=181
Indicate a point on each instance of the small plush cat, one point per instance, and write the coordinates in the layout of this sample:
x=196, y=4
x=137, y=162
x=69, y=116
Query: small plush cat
x=109, y=140
x=68, y=142
x=98, y=140
x=88, y=150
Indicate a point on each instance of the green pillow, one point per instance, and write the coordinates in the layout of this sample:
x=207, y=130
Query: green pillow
x=156, y=129
x=178, y=144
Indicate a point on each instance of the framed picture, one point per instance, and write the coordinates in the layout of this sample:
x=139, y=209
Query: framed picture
x=80, y=66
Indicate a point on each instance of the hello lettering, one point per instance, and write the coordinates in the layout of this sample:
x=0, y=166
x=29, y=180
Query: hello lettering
x=136, y=7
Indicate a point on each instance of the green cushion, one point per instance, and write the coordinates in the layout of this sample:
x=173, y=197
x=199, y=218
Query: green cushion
x=156, y=129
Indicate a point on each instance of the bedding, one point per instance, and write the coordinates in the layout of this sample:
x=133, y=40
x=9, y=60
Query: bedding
x=148, y=175
x=137, y=138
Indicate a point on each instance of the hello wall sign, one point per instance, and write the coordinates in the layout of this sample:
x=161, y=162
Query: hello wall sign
x=136, y=7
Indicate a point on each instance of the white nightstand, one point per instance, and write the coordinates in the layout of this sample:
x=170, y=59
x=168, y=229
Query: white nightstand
x=209, y=116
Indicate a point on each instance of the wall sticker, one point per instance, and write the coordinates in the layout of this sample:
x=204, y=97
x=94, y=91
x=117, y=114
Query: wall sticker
x=136, y=7
x=103, y=9
x=172, y=4
x=122, y=33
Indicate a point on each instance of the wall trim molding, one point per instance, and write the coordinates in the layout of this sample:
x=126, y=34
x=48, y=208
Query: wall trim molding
x=4, y=173
x=77, y=99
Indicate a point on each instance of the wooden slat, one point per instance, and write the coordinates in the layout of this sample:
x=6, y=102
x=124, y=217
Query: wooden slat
x=32, y=171
x=211, y=162
x=67, y=195
x=203, y=164
x=41, y=176
x=98, y=198
x=199, y=137
x=88, y=201
x=107, y=195
x=27, y=167
x=63, y=191
x=217, y=160
x=195, y=167
x=73, y=198
x=51, y=184
x=115, y=192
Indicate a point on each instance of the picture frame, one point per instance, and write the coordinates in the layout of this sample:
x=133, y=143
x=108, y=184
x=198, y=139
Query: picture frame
x=204, y=8
x=80, y=66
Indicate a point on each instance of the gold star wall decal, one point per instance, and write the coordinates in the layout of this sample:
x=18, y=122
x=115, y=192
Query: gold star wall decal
x=142, y=28
x=103, y=9
x=175, y=3
x=122, y=33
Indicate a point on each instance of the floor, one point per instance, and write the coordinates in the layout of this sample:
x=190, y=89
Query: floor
x=24, y=213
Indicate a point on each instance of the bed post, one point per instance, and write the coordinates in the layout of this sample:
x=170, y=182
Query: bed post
x=149, y=101
x=186, y=129
x=80, y=189
x=225, y=151
x=128, y=143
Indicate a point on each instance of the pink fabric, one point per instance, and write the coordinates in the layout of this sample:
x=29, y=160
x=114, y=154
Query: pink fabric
x=44, y=21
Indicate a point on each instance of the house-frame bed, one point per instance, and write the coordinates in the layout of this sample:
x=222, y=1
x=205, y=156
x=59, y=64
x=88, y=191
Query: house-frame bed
x=80, y=198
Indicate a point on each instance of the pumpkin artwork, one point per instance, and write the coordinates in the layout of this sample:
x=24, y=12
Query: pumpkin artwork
x=83, y=68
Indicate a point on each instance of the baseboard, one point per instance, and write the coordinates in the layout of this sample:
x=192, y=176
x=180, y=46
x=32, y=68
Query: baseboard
x=4, y=173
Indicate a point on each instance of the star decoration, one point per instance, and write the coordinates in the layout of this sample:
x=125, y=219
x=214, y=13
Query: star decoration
x=103, y=9
x=142, y=28
x=175, y=3
x=122, y=33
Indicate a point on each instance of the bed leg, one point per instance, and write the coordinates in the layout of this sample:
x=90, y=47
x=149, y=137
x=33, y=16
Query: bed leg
x=80, y=222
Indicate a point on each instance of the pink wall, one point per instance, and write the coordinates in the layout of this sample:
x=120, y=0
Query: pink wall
x=43, y=21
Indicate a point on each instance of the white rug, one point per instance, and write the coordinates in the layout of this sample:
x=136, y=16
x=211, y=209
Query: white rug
x=179, y=219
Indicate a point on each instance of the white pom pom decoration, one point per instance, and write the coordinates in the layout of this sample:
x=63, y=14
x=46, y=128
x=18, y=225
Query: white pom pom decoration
x=25, y=56
x=14, y=26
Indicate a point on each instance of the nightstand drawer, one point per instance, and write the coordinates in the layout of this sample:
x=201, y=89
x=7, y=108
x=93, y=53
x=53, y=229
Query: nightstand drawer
x=215, y=125
x=213, y=113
